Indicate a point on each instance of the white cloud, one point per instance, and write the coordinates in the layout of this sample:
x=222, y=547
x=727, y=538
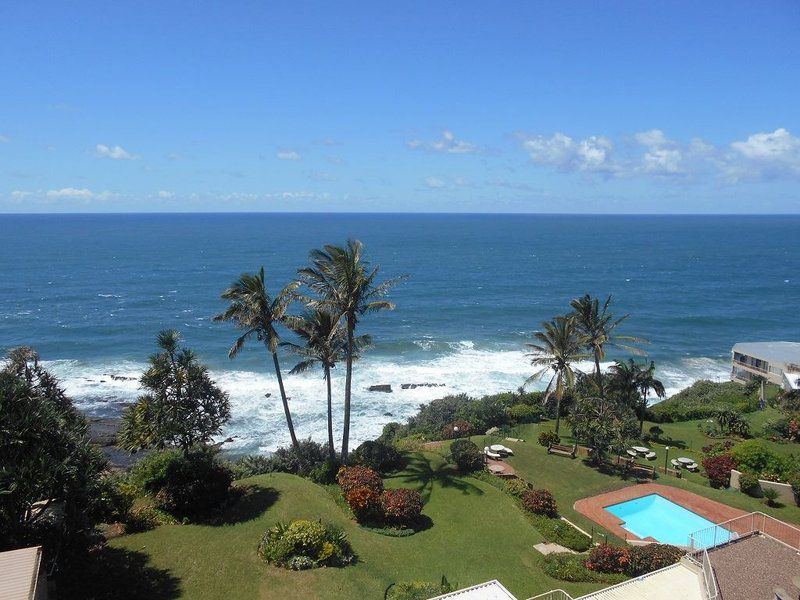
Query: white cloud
x=652, y=137
x=70, y=192
x=165, y=194
x=20, y=195
x=435, y=183
x=448, y=143
x=4, y=139
x=114, y=152
x=662, y=160
x=774, y=155
x=288, y=155
x=591, y=154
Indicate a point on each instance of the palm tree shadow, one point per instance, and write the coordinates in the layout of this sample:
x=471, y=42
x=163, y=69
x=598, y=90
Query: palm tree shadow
x=420, y=474
x=250, y=502
x=111, y=573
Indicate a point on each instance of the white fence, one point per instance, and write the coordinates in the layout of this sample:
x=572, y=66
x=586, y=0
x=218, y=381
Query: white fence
x=740, y=527
x=553, y=595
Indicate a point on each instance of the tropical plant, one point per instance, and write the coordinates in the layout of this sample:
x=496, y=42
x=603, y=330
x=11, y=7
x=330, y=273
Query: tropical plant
x=345, y=284
x=257, y=313
x=557, y=347
x=304, y=544
x=631, y=382
x=732, y=422
x=351, y=478
x=540, y=502
x=718, y=469
x=182, y=406
x=466, y=455
x=607, y=558
x=46, y=457
x=597, y=326
x=401, y=506
x=548, y=438
x=323, y=343
x=603, y=425
x=377, y=455
x=771, y=496
x=648, y=383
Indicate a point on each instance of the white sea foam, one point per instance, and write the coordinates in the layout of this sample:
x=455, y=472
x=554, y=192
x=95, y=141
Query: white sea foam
x=258, y=423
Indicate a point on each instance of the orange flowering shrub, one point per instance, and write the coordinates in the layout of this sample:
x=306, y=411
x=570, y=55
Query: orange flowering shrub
x=351, y=478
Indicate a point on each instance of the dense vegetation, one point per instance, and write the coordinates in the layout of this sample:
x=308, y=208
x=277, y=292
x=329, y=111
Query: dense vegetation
x=703, y=399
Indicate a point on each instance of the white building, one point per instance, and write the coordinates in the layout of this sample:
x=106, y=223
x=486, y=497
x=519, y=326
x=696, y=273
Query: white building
x=777, y=362
x=21, y=575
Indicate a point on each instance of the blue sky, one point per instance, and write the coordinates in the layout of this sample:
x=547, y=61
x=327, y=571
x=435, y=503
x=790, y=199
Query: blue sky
x=586, y=107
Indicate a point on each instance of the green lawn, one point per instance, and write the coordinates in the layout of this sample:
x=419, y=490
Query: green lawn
x=477, y=535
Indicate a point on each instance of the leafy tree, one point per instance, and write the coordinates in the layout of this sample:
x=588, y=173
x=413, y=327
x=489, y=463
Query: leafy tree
x=182, y=406
x=598, y=326
x=558, y=346
x=46, y=457
x=604, y=425
x=257, y=313
x=630, y=383
x=732, y=422
x=346, y=285
x=323, y=343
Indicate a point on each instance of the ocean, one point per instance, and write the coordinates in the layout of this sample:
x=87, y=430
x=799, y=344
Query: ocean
x=90, y=293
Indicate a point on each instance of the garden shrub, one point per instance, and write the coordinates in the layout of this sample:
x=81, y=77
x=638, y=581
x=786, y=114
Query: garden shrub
x=652, y=557
x=350, y=478
x=572, y=567
x=756, y=456
x=748, y=484
x=771, y=496
x=548, y=438
x=794, y=481
x=525, y=413
x=418, y=590
x=145, y=517
x=392, y=432
x=540, y=502
x=365, y=503
x=185, y=485
x=377, y=455
x=304, y=544
x=718, y=469
x=702, y=400
x=560, y=532
x=607, y=558
x=516, y=487
x=466, y=456
x=401, y=506
x=457, y=429
x=113, y=499
x=251, y=465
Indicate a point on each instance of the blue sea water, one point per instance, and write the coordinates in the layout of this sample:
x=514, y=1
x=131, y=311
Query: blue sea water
x=90, y=292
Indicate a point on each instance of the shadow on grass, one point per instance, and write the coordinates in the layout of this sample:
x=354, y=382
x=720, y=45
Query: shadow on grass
x=251, y=502
x=115, y=574
x=420, y=474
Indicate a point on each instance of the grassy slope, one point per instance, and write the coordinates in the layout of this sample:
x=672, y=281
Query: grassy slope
x=476, y=535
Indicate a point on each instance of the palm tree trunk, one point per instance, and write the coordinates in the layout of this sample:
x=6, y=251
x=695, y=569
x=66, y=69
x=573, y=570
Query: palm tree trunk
x=286, y=410
x=642, y=411
x=597, y=373
x=331, y=448
x=559, y=393
x=347, y=388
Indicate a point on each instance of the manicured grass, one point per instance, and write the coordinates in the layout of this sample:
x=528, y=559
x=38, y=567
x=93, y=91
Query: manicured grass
x=476, y=534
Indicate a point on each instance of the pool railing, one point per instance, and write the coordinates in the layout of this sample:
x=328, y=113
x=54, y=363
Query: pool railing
x=741, y=527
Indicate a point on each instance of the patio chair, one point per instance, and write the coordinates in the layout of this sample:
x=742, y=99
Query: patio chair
x=674, y=462
x=650, y=455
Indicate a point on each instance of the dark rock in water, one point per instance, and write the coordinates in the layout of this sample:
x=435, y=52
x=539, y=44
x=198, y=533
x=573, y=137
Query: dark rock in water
x=413, y=386
x=267, y=395
x=384, y=387
x=121, y=378
x=388, y=414
x=103, y=430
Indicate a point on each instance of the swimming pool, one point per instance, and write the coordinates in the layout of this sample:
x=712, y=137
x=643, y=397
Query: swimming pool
x=655, y=516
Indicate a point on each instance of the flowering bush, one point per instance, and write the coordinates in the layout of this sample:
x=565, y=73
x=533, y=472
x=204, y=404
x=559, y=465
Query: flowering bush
x=364, y=502
x=718, y=469
x=540, y=502
x=305, y=544
x=547, y=438
x=457, y=429
x=651, y=557
x=606, y=558
x=401, y=506
x=350, y=478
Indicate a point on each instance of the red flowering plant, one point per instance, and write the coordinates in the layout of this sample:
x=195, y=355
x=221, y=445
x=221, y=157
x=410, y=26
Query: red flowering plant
x=401, y=506
x=606, y=558
x=540, y=502
x=718, y=469
x=350, y=478
x=365, y=503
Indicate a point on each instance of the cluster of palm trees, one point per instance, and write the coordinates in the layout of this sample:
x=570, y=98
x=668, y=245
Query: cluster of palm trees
x=337, y=288
x=584, y=334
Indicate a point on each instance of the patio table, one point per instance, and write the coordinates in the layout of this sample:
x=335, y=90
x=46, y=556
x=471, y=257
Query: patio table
x=640, y=449
x=685, y=461
x=497, y=448
x=632, y=453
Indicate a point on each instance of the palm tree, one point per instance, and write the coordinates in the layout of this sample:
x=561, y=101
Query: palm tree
x=324, y=343
x=345, y=284
x=648, y=382
x=256, y=313
x=598, y=326
x=558, y=346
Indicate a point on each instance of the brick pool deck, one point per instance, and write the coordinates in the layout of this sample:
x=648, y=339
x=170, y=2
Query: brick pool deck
x=594, y=507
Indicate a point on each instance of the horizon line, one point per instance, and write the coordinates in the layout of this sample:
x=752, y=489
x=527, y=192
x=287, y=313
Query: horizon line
x=390, y=213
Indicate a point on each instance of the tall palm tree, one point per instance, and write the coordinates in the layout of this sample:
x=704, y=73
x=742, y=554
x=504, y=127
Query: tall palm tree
x=558, y=346
x=648, y=382
x=257, y=313
x=598, y=325
x=345, y=284
x=323, y=342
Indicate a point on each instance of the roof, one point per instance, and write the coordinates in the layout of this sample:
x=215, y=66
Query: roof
x=676, y=582
x=780, y=352
x=491, y=590
x=20, y=572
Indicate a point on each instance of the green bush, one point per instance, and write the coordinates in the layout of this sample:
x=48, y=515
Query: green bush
x=185, y=485
x=250, y=465
x=571, y=567
x=466, y=455
x=702, y=400
x=377, y=455
x=457, y=429
x=548, y=438
x=525, y=413
x=748, y=484
x=516, y=487
x=755, y=456
x=418, y=590
x=304, y=544
x=771, y=496
x=794, y=481
x=145, y=517
x=560, y=532
x=113, y=499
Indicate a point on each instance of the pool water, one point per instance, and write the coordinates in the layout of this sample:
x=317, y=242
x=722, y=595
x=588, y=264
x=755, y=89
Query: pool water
x=655, y=516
